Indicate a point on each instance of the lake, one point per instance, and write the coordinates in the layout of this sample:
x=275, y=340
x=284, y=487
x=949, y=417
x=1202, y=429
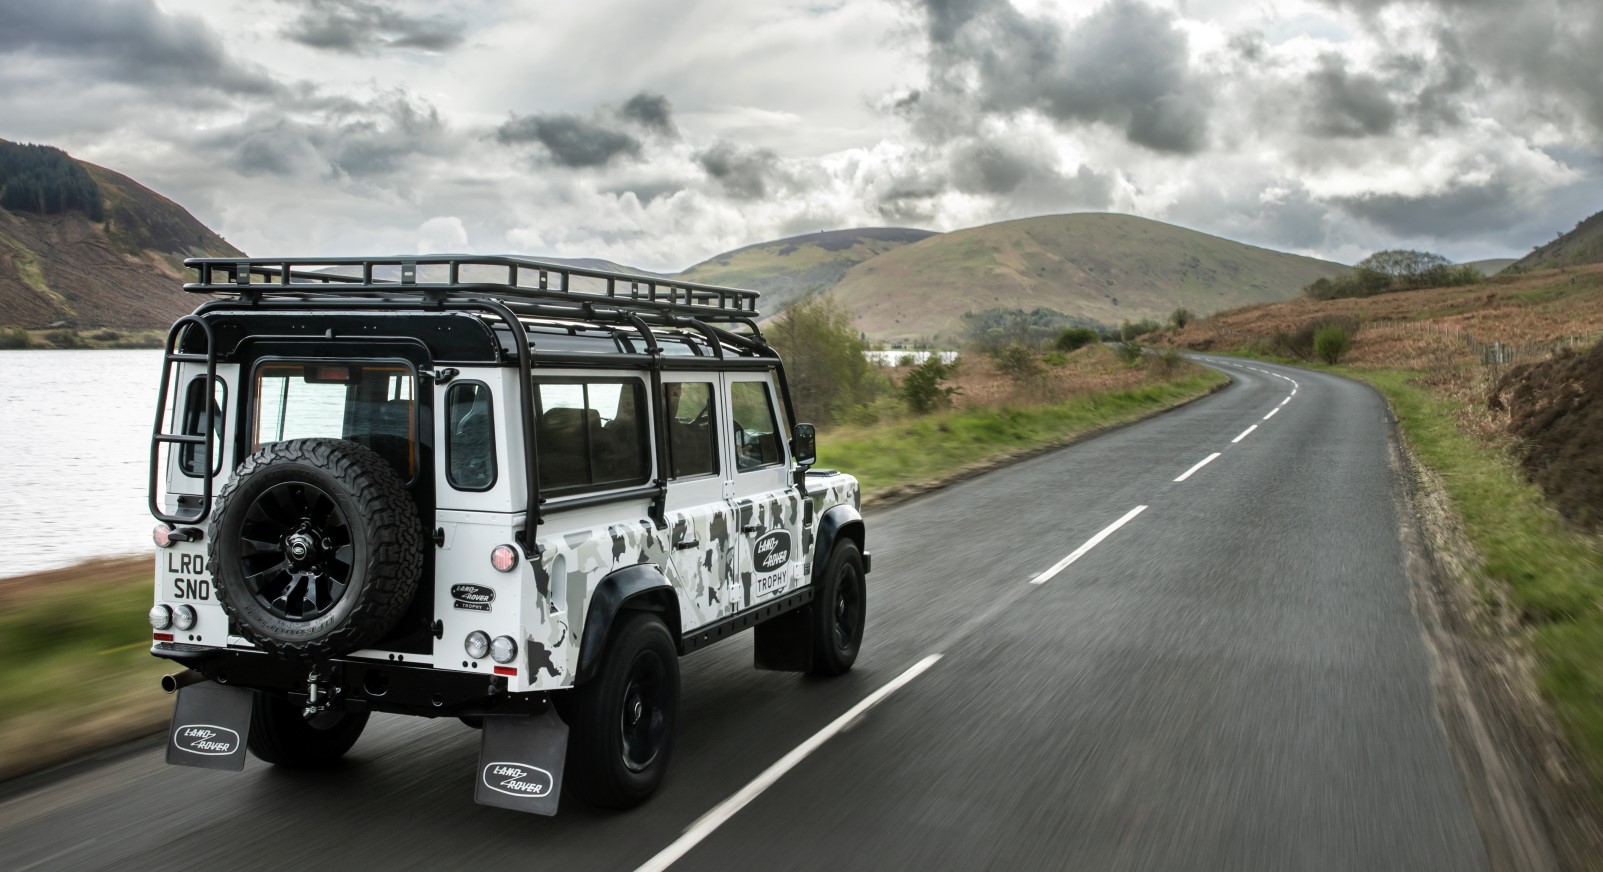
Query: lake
x=74, y=455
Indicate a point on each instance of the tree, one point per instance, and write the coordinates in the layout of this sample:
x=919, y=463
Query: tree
x=824, y=360
x=924, y=389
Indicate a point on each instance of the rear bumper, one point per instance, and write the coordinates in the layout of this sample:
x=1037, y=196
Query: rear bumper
x=361, y=685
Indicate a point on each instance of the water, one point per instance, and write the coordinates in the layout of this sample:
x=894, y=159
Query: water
x=74, y=455
x=892, y=358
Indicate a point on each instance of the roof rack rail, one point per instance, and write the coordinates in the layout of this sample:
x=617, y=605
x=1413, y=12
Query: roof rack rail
x=257, y=278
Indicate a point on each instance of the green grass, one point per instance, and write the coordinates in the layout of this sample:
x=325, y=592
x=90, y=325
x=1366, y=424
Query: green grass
x=935, y=447
x=1554, y=574
x=75, y=668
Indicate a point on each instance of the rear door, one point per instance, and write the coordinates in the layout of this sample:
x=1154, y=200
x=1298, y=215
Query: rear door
x=701, y=520
x=766, y=504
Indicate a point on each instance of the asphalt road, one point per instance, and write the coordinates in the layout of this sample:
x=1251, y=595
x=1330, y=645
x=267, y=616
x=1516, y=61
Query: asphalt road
x=1232, y=679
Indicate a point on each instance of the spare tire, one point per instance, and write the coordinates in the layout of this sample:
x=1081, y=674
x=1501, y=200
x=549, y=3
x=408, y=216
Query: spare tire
x=315, y=548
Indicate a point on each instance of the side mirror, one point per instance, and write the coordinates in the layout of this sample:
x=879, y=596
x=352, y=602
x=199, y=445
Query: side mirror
x=804, y=444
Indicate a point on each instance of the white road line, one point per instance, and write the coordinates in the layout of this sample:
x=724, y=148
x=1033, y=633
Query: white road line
x=1244, y=434
x=1271, y=413
x=727, y=809
x=1204, y=462
x=1089, y=544
x=1285, y=401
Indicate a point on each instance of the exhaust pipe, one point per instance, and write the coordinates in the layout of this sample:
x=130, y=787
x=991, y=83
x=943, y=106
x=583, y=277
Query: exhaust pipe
x=174, y=682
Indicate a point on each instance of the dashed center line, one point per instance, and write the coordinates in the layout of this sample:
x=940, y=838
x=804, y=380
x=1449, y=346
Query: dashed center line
x=1089, y=544
x=1244, y=434
x=725, y=810
x=1204, y=462
x=1285, y=401
x=1271, y=413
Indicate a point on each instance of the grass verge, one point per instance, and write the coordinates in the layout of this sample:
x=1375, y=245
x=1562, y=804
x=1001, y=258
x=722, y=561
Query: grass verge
x=76, y=673
x=921, y=452
x=1552, y=574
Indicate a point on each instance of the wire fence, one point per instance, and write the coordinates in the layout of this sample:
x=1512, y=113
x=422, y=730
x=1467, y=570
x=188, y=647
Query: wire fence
x=1494, y=353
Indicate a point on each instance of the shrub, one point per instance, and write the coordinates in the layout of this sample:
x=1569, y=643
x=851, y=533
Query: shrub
x=64, y=338
x=1179, y=318
x=14, y=338
x=1055, y=358
x=1127, y=352
x=106, y=336
x=924, y=389
x=1019, y=362
x=1166, y=362
x=1331, y=342
x=1134, y=329
x=1074, y=338
x=906, y=360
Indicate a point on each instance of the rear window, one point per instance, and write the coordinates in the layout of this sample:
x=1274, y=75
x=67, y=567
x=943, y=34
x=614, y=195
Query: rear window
x=591, y=434
x=371, y=404
x=469, y=437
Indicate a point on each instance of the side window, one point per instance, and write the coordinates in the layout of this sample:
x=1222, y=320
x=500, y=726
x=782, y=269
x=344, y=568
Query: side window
x=469, y=437
x=192, y=458
x=592, y=434
x=692, y=448
x=757, y=439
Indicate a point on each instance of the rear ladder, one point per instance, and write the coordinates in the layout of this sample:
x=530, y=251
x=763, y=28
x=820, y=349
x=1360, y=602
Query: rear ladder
x=159, y=436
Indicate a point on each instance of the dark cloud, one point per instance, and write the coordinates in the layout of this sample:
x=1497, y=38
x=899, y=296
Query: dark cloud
x=651, y=111
x=571, y=141
x=990, y=168
x=364, y=26
x=1551, y=50
x=743, y=174
x=1027, y=178
x=360, y=142
x=645, y=191
x=1126, y=65
x=1347, y=104
x=1459, y=211
x=132, y=42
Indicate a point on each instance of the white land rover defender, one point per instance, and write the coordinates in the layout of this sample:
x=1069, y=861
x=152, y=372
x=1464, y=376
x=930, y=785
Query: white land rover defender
x=488, y=488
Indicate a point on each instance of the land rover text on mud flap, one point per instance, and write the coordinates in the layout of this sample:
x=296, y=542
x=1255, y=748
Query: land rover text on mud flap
x=487, y=488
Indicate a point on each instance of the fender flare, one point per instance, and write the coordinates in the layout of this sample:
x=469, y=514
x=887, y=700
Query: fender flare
x=640, y=587
x=841, y=520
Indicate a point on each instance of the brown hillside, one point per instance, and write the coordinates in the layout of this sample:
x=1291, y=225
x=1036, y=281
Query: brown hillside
x=1102, y=267
x=1555, y=410
x=123, y=272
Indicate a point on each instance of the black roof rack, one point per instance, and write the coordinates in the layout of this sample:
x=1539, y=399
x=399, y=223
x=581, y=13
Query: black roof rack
x=439, y=277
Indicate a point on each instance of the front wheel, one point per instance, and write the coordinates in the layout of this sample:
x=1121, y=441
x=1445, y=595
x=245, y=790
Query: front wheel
x=839, y=610
x=280, y=734
x=621, y=721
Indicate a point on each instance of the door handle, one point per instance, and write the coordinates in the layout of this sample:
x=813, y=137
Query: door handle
x=751, y=528
x=687, y=544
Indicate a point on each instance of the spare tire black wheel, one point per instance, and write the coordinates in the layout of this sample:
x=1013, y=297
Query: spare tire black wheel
x=315, y=548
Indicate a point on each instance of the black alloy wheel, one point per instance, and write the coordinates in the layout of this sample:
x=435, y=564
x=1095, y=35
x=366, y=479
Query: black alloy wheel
x=644, y=714
x=838, y=610
x=295, y=551
x=621, y=720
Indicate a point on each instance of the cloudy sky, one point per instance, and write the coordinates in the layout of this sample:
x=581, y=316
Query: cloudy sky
x=659, y=133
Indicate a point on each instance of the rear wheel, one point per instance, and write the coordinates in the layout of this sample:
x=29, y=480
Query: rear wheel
x=621, y=721
x=839, y=610
x=280, y=734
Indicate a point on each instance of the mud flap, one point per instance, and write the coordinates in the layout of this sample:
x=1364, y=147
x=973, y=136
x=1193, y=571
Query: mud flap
x=211, y=725
x=521, y=761
x=785, y=643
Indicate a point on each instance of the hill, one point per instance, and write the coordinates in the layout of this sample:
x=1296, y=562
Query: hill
x=1491, y=266
x=120, y=269
x=786, y=270
x=1100, y=267
x=1584, y=244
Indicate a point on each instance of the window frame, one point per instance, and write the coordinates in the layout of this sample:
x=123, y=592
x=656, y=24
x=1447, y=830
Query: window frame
x=217, y=407
x=495, y=466
x=644, y=425
x=781, y=439
x=251, y=394
x=715, y=428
